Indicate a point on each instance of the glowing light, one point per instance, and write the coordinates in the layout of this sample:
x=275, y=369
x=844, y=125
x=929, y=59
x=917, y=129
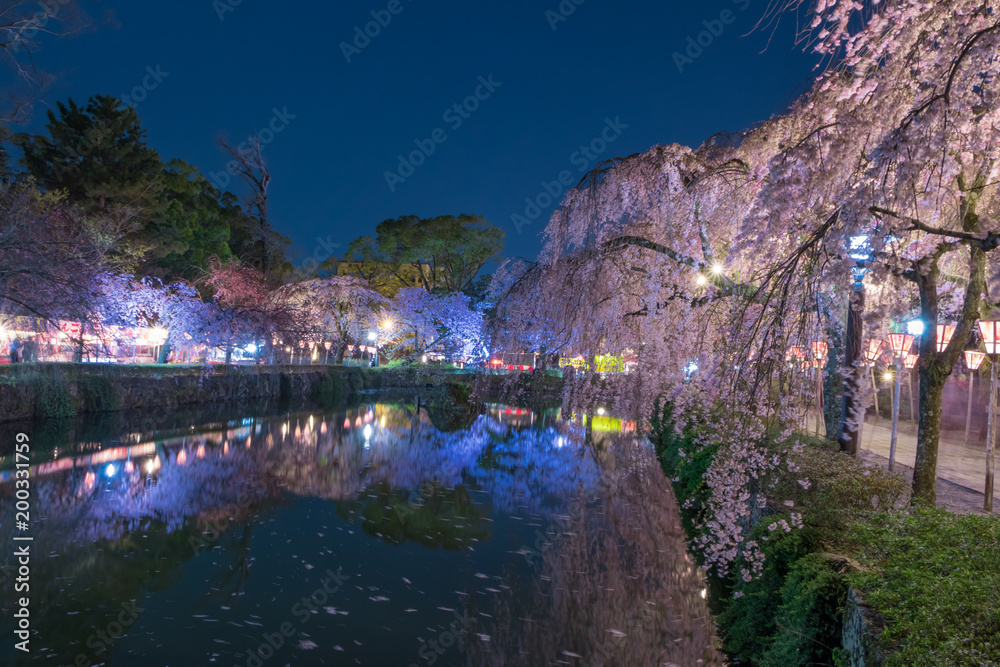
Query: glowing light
x=717, y=269
x=701, y=280
x=382, y=422
x=129, y=466
x=252, y=348
x=201, y=451
x=915, y=327
x=974, y=359
x=182, y=457
x=991, y=335
x=367, y=431
x=887, y=376
x=110, y=470
x=347, y=422
x=600, y=411
x=372, y=336
x=387, y=324
x=704, y=592
x=423, y=359
x=944, y=334
x=248, y=442
x=151, y=466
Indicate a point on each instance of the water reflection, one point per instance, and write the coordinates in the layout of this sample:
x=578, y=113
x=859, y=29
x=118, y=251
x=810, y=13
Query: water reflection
x=191, y=514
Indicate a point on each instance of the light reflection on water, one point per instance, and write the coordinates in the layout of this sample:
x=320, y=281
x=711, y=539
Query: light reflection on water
x=432, y=546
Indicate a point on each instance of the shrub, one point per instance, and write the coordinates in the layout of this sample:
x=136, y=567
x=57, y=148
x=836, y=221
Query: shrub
x=52, y=399
x=97, y=394
x=810, y=619
x=330, y=387
x=749, y=623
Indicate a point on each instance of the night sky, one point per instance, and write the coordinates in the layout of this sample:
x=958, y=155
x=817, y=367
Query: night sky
x=556, y=84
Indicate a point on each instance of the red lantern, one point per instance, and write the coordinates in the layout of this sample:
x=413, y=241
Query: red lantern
x=900, y=343
x=974, y=359
x=944, y=334
x=991, y=335
x=911, y=361
x=874, y=350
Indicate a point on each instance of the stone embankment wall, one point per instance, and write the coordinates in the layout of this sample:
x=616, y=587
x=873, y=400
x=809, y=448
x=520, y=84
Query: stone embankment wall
x=62, y=390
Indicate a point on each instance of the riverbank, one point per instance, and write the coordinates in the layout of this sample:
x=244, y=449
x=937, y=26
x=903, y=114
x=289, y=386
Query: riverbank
x=851, y=575
x=56, y=390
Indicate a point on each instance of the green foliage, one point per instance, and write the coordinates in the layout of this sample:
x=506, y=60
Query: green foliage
x=356, y=379
x=52, y=399
x=749, y=623
x=935, y=580
x=444, y=253
x=809, y=621
x=330, y=387
x=841, y=488
x=97, y=394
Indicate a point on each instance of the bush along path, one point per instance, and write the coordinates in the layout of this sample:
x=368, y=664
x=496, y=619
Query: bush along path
x=847, y=573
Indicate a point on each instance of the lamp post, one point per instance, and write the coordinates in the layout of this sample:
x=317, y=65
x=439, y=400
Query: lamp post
x=973, y=360
x=910, y=362
x=872, y=352
x=990, y=329
x=900, y=346
x=820, y=350
x=373, y=336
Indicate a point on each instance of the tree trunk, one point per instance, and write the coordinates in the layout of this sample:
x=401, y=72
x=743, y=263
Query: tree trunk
x=341, y=349
x=852, y=411
x=928, y=435
x=164, y=352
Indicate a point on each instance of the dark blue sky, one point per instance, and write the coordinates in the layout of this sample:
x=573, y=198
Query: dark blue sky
x=352, y=120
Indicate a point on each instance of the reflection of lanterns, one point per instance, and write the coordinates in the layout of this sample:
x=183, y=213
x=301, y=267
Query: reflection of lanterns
x=322, y=428
x=347, y=422
x=225, y=447
x=129, y=466
x=182, y=457
x=382, y=422
x=944, y=334
x=357, y=422
x=89, y=479
x=201, y=451
x=248, y=442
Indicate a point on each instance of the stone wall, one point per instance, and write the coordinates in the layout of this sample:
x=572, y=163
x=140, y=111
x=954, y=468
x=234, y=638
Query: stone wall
x=61, y=390
x=861, y=628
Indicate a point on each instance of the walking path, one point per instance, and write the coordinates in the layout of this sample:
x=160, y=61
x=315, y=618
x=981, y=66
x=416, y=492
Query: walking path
x=961, y=466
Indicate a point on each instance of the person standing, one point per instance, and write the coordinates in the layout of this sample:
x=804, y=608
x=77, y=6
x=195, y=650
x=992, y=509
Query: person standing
x=15, y=350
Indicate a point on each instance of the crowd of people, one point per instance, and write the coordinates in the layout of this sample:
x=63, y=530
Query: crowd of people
x=23, y=351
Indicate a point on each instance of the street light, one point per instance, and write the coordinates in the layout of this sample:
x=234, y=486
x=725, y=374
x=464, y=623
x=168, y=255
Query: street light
x=373, y=336
x=990, y=329
x=820, y=350
x=910, y=362
x=973, y=360
x=901, y=344
x=873, y=351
